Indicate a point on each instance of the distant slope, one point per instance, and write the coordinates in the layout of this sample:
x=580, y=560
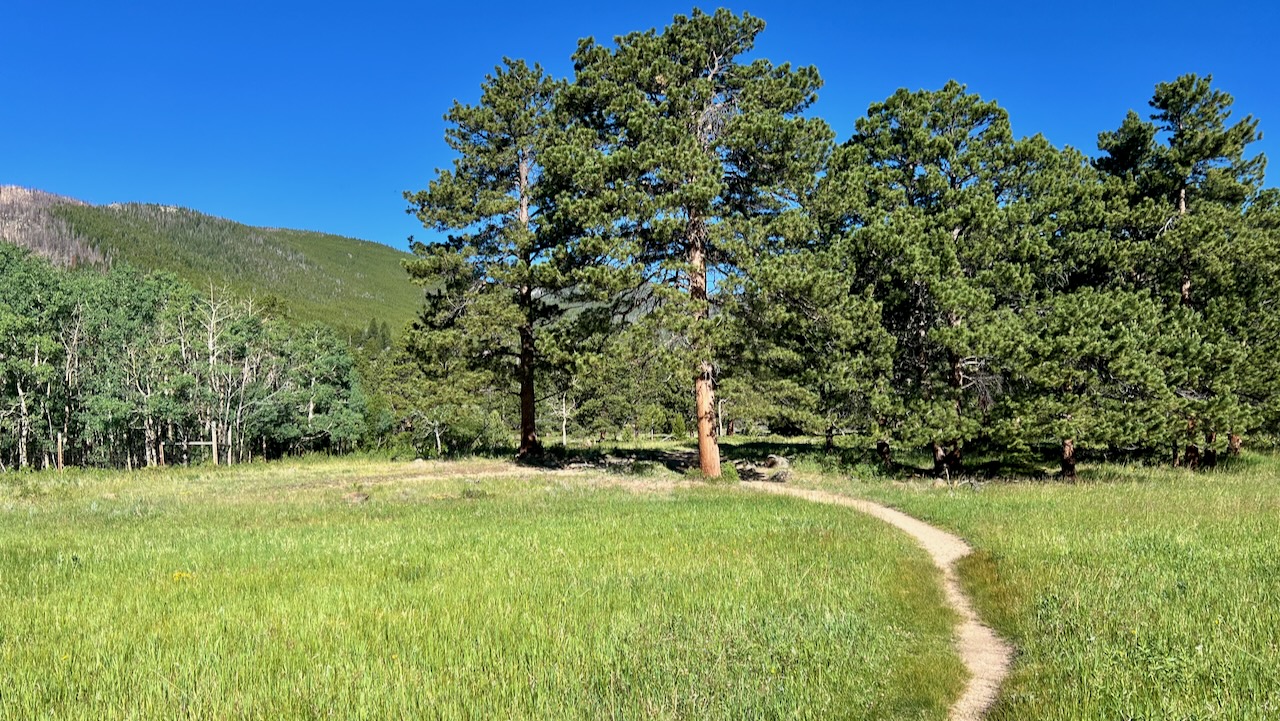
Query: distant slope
x=25, y=220
x=341, y=281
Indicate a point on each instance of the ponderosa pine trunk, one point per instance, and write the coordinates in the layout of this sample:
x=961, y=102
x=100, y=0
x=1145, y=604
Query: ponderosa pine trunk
x=1069, y=459
x=704, y=394
x=529, y=443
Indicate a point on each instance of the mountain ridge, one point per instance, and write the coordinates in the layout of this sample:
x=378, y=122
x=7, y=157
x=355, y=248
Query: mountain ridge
x=344, y=282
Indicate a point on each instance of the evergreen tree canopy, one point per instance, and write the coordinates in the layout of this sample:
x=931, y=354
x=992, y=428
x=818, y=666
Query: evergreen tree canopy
x=685, y=156
x=499, y=276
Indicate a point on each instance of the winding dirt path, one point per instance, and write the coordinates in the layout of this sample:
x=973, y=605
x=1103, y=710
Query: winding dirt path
x=984, y=653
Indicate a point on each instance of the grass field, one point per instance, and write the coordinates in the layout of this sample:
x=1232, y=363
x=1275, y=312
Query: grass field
x=1139, y=594
x=464, y=590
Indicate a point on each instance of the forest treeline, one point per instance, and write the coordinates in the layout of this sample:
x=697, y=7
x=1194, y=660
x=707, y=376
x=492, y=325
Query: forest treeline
x=671, y=242
x=673, y=218
x=121, y=369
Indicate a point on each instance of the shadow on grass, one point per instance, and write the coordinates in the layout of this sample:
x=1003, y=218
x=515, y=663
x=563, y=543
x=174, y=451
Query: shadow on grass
x=619, y=458
x=982, y=462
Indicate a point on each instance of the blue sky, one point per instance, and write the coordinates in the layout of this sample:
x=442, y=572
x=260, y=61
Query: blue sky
x=317, y=115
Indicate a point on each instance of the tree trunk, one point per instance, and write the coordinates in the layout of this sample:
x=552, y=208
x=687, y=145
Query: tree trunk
x=886, y=453
x=149, y=441
x=939, y=460
x=704, y=394
x=1069, y=459
x=704, y=402
x=213, y=440
x=831, y=439
x=529, y=444
x=564, y=421
x=1185, y=288
x=24, y=428
x=1210, y=458
x=1192, y=457
x=955, y=459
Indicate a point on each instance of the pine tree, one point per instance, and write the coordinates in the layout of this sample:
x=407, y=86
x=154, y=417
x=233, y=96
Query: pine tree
x=810, y=351
x=1190, y=185
x=925, y=194
x=497, y=273
x=683, y=157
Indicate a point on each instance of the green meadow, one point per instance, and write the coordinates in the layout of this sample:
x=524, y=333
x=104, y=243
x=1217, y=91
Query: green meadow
x=472, y=589
x=1139, y=593
x=479, y=589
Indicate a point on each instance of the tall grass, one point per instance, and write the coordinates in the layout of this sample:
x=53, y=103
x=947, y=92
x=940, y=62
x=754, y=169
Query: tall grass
x=1141, y=594
x=471, y=590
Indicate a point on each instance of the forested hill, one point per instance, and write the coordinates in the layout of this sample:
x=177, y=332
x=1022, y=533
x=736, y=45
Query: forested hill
x=341, y=281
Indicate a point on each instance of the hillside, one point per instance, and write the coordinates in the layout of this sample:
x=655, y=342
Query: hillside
x=341, y=281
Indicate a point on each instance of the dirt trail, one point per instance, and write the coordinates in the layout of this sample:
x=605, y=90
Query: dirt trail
x=983, y=652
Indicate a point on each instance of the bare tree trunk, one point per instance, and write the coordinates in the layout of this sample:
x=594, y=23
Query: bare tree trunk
x=1069, y=459
x=704, y=394
x=24, y=427
x=149, y=440
x=213, y=440
x=564, y=420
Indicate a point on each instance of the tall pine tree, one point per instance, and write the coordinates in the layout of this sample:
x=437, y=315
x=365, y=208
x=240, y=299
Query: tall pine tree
x=687, y=156
x=1190, y=184
x=496, y=276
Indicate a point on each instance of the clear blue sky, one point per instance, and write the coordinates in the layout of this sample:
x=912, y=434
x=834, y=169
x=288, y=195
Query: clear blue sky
x=317, y=115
